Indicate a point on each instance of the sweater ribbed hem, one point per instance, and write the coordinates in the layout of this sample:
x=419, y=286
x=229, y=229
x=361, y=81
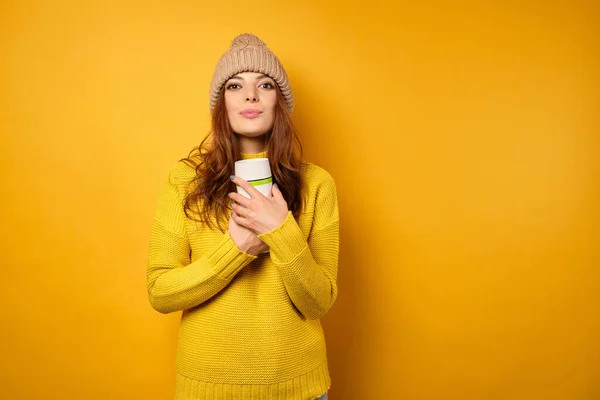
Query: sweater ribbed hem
x=228, y=259
x=305, y=387
x=285, y=241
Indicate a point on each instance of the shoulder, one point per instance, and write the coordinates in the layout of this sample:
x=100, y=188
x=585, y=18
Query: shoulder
x=316, y=176
x=182, y=173
x=321, y=195
x=318, y=182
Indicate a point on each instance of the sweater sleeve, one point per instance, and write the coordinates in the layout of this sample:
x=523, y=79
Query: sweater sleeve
x=309, y=267
x=175, y=283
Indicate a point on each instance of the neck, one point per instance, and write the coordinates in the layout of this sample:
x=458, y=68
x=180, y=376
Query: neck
x=252, y=145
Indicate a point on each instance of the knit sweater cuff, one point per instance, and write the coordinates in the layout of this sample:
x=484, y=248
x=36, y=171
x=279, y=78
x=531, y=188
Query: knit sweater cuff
x=286, y=241
x=227, y=259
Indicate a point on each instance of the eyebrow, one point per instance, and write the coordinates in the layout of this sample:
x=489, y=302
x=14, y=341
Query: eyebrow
x=258, y=77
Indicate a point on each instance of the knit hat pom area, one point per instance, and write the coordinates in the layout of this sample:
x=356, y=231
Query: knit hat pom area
x=249, y=54
x=247, y=39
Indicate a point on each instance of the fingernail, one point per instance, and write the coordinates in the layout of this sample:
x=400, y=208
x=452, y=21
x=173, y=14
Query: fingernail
x=277, y=187
x=232, y=177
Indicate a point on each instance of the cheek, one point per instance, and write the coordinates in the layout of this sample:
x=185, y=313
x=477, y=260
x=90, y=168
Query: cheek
x=229, y=102
x=231, y=108
x=270, y=104
x=234, y=120
x=272, y=99
x=271, y=118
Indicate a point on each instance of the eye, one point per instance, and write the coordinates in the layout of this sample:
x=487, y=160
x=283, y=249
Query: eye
x=233, y=86
x=266, y=85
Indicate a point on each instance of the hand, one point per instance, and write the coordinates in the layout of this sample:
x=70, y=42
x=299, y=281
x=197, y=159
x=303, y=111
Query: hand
x=246, y=240
x=258, y=213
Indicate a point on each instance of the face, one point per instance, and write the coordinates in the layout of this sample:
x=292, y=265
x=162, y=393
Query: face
x=250, y=100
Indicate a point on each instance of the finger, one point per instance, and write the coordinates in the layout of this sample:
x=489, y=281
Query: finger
x=240, y=211
x=251, y=190
x=239, y=220
x=277, y=193
x=232, y=221
x=238, y=198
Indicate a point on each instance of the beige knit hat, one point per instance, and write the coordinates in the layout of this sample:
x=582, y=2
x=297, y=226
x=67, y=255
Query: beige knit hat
x=249, y=54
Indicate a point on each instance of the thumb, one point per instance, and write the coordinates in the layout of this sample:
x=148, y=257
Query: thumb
x=277, y=193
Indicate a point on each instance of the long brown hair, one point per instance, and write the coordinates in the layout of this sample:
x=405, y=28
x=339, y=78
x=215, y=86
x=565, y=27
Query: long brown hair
x=214, y=159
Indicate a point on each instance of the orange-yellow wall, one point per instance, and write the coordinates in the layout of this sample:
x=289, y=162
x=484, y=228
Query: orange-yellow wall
x=464, y=139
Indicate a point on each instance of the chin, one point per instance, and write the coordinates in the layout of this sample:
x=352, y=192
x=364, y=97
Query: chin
x=251, y=134
x=250, y=128
x=251, y=131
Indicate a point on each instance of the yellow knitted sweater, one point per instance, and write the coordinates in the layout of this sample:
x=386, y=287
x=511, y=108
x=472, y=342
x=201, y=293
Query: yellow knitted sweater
x=250, y=324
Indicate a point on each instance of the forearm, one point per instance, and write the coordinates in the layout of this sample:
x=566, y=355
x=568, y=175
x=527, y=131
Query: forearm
x=312, y=291
x=175, y=289
x=310, y=279
x=176, y=284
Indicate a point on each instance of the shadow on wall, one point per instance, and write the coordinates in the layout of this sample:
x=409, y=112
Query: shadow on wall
x=317, y=123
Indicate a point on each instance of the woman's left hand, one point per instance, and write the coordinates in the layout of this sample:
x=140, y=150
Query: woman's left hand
x=258, y=213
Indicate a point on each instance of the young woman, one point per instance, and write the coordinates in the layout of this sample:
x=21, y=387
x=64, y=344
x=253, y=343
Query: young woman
x=250, y=323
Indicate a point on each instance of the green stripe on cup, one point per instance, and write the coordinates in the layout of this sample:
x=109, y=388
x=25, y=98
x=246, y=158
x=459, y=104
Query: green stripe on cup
x=259, y=182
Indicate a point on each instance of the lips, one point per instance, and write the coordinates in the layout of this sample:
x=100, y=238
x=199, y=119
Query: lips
x=251, y=113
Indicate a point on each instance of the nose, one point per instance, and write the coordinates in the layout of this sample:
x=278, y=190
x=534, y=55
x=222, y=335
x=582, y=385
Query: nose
x=251, y=95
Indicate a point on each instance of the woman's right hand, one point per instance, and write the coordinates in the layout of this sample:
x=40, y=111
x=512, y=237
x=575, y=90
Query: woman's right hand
x=246, y=240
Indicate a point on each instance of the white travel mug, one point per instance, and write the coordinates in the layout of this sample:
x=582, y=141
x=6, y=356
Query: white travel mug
x=257, y=172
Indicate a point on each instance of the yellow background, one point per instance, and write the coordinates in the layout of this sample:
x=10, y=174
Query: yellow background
x=463, y=137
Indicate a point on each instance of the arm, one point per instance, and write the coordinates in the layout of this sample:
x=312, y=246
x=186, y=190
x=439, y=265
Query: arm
x=173, y=282
x=309, y=267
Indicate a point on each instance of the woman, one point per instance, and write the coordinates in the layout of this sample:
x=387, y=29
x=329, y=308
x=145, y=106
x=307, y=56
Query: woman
x=250, y=324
